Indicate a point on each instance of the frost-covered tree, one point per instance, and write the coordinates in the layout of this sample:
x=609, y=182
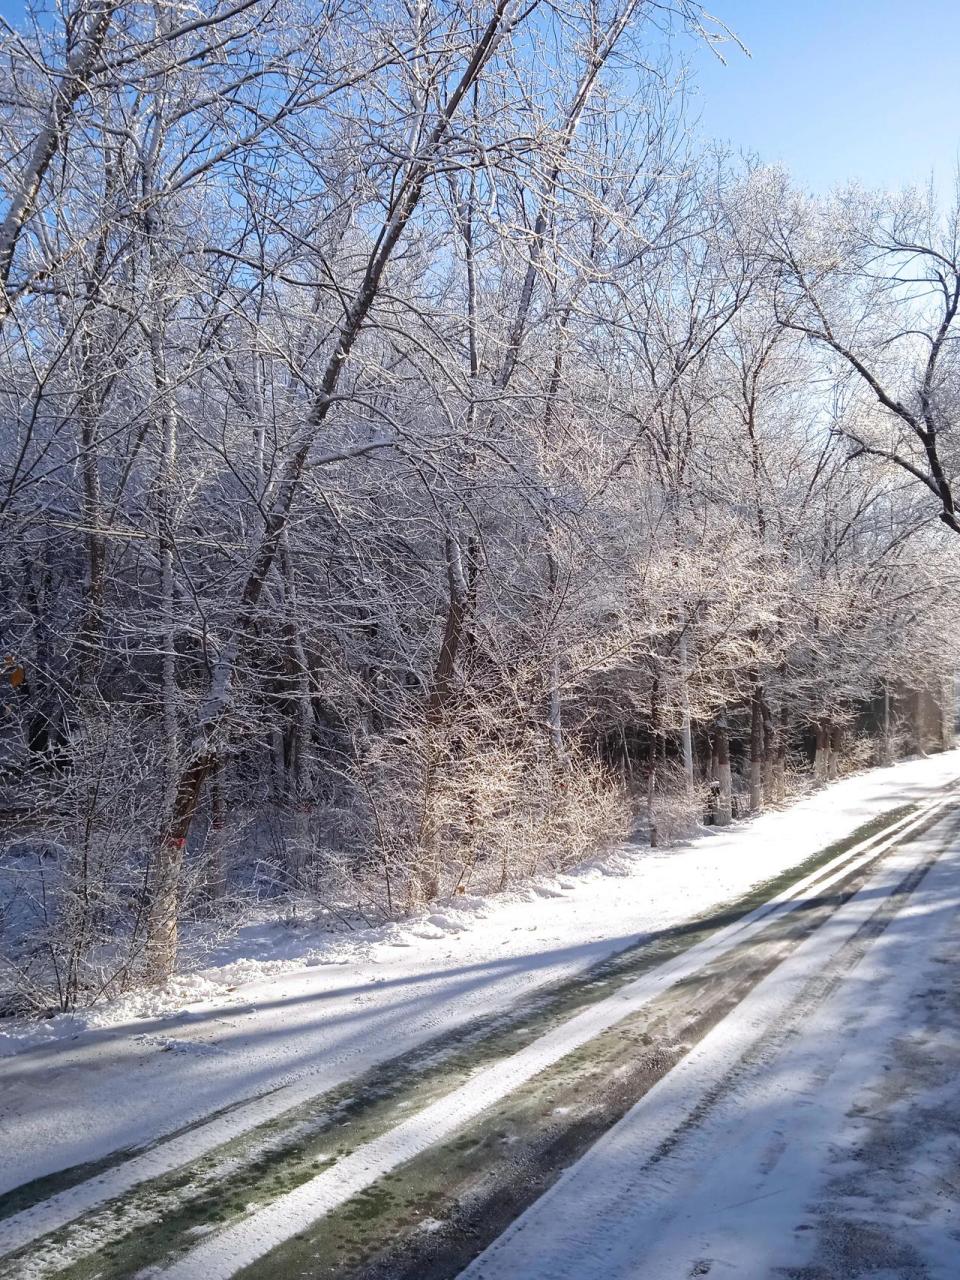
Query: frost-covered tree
x=416, y=468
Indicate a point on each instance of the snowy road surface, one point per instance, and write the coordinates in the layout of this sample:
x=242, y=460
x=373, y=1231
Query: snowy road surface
x=793, y=1068
x=813, y=1134
x=254, y=1236
x=357, y=1002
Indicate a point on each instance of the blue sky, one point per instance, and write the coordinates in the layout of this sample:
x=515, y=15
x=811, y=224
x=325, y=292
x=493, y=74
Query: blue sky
x=838, y=89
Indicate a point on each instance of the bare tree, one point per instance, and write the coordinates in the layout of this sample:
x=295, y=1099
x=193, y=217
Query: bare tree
x=876, y=282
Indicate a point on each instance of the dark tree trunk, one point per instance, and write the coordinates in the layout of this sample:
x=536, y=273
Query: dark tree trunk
x=756, y=748
x=822, y=753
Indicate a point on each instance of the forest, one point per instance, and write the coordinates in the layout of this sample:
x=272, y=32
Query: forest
x=425, y=461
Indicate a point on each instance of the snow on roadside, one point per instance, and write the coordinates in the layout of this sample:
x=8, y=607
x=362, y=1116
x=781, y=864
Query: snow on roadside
x=596, y=903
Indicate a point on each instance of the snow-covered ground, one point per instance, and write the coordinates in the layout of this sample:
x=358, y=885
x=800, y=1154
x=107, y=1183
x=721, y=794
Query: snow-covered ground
x=814, y=1134
x=76, y=1088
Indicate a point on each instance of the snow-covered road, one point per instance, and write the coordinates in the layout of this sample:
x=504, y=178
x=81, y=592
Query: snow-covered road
x=312, y=1023
x=270, y=1195
x=254, y=1236
x=814, y=1134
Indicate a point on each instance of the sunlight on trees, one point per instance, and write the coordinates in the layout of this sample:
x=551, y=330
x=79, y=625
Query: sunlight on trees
x=420, y=466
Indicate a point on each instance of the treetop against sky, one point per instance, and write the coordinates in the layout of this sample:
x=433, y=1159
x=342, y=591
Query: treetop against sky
x=835, y=90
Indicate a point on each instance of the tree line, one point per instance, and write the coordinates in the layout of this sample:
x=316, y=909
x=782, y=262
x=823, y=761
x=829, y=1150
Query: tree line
x=423, y=461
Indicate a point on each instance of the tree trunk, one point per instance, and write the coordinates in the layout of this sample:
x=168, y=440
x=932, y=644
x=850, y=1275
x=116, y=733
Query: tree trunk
x=780, y=765
x=301, y=762
x=216, y=870
x=756, y=749
x=554, y=708
x=686, y=732
x=822, y=752
x=163, y=920
x=462, y=583
x=886, y=741
x=947, y=711
x=92, y=396
x=770, y=752
x=652, y=759
x=724, y=775
x=162, y=937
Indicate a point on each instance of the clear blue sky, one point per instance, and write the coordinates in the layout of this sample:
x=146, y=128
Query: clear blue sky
x=838, y=89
